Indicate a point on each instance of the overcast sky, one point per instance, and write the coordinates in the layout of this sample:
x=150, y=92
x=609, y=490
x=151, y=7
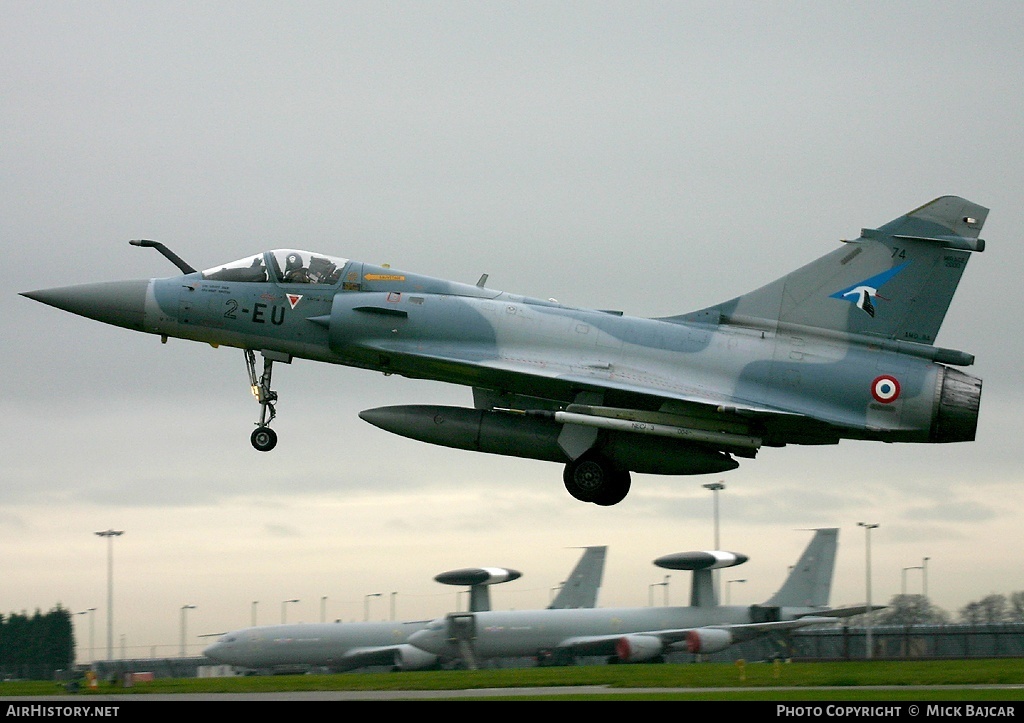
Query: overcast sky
x=653, y=157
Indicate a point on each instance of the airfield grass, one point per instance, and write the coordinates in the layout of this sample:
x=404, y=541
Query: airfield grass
x=847, y=680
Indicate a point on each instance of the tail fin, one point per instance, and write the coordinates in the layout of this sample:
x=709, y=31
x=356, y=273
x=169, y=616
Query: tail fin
x=580, y=589
x=809, y=583
x=894, y=282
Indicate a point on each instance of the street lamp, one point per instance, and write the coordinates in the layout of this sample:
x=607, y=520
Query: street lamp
x=650, y=591
x=727, y=584
x=92, y=619
x=183, y=609
x=366, y=605
x=254, y=604
x=868, y=527
x=323, y=609
x=903, y=582
x=110, y=535
x=82, y=613
x=715, y=488
x=284, y=604
x=924, y=577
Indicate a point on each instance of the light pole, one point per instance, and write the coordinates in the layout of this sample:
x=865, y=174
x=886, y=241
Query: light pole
x=110, y=535
x=366, y=605
x=394, y=598
x=715, y=488
x=903, y=582
x=924, y=577
x=254, y=604
x=284, y=605
x=650, y=591
x=92, y=618
x=727, y=588
x=868, y=527
x=323, y=609
x=183, y=609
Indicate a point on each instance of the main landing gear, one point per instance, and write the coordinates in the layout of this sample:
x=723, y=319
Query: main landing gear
x=263, y=438
x=593, y=478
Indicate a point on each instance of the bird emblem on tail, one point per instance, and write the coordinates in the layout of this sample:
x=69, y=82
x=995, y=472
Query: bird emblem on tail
x=861, y=294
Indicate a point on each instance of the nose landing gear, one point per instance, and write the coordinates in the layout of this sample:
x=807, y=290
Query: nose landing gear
x=263, y=437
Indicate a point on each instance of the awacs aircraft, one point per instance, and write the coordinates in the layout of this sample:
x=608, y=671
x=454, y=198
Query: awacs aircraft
x=646, y=634
x=348, y=646
x=841, y=348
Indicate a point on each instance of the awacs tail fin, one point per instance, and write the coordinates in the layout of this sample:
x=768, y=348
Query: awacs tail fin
x=581, y=587
x=894, y=282
x=809, y=583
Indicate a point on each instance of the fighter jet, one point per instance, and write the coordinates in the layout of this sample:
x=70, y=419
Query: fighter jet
x=841, y=348
x=630, y=635
x=349, y=646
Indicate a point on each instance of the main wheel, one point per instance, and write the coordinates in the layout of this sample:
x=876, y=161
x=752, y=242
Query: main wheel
x=592, y=478
x=264, y=439
x=616, y=489
x=584, y=477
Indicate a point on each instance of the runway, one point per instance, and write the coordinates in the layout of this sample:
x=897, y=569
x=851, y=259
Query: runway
x=1013, y=692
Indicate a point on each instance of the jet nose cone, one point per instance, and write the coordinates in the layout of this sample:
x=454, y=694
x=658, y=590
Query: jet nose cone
x=426, y=640
x=221, y=653
x=121, y=303
x=224, y=652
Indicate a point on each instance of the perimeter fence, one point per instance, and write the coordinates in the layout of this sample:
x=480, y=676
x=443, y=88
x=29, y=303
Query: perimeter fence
x=901, y=642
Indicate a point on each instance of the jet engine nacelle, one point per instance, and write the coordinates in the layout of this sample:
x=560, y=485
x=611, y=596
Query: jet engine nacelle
x=637, y=648
x=708, y=640
x=409, y=657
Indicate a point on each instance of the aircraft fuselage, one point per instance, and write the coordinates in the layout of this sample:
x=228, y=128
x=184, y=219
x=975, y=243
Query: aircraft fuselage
x=839, y=348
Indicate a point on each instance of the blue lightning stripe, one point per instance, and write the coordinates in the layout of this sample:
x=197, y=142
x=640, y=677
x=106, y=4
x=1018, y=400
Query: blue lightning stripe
x=874, y=284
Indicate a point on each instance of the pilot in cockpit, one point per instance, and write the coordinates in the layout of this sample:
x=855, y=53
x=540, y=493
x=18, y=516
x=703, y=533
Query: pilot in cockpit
x=294, y=271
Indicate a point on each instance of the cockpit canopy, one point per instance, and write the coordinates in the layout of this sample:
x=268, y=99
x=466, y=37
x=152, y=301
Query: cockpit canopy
x=285, y=266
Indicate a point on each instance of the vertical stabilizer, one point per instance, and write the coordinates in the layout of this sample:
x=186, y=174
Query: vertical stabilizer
x=893, y=282
x=809, y=583
x=581, y=587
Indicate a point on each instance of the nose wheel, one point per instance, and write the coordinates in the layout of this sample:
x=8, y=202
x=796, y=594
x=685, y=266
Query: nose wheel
x=263, y=437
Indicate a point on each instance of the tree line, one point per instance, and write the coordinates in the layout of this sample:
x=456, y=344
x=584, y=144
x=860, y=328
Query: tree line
x=36, y=646
x=918, y=610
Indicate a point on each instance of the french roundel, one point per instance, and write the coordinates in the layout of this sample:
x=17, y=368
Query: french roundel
x=885, y=389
